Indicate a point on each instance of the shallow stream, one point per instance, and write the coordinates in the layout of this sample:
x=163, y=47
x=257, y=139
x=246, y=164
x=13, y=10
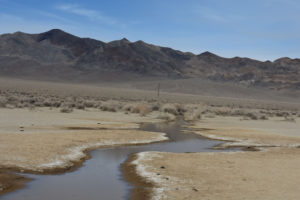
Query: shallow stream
x=100, y=177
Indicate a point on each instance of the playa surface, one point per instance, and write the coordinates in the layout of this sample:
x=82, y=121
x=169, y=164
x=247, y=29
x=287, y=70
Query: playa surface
x=270, y=172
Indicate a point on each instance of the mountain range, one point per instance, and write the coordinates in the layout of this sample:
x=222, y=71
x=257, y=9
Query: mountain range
x=57, y=55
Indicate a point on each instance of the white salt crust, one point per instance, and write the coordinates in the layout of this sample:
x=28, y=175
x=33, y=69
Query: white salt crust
x=76, y=153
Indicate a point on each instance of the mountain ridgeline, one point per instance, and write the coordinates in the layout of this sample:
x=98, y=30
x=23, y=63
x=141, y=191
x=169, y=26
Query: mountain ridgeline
x=57, y=55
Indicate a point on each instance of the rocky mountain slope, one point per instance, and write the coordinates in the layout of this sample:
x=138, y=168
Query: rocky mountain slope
x=57, y=55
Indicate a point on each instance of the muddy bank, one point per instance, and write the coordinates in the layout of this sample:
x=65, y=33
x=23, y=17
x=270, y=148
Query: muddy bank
x=142, y=188
x=9, y=181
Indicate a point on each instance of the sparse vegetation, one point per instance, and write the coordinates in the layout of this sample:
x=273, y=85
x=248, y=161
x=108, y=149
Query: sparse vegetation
x=114, y=100
x=3, y=102
x=142, y=108
x=289, y=119
x=175, y=109
x=193, y=115
x=66, y=108
x=111, y=106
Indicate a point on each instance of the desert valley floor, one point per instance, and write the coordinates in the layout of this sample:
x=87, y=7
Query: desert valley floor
x=250, y=147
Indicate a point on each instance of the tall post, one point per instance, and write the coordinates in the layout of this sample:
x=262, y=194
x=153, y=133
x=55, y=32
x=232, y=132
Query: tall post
x=158, y=88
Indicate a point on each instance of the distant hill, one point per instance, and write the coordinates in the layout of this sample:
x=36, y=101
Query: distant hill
x=57, y=55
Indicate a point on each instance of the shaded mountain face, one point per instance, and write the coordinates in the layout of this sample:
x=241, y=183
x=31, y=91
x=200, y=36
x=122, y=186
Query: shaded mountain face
x=57, y=55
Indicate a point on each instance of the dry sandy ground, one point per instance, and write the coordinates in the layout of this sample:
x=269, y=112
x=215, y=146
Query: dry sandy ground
x=266, y=133
x=272, y=173
x=44, y=140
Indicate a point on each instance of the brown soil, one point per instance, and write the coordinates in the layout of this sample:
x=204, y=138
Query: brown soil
x=10, y=181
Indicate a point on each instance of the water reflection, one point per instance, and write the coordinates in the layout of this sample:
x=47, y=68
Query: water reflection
x=100, y=177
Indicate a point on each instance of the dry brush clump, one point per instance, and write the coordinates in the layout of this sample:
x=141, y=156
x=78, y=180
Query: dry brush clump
x=142, y=108
x=193, y=115
x=289, y=119
x=3, y=102
x=194, y=112
x=175, y=109
x=66, y=108
x=246, y=114
x=111, y=106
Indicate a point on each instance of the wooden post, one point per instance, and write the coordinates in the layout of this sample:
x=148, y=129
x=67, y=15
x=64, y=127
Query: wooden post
x=158, y=88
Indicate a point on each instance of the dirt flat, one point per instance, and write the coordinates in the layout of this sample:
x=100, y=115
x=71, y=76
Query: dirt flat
x=271, y=173
x=273, y=132
x=266, y=175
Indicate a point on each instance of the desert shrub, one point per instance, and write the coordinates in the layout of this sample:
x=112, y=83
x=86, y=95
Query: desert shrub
x=222, y=111
x=180, y=109
x=56, y=104
x=70, y=99
x=111, y=106
x=175, y=109
x=127, y=107
x=289, y=119
x=210, y=115
x=282, y=114
x=12, y=98
x=142, y=109
x=3, y=102
x=19, y=105
x=156, y=107
x=26, y=99
x=169, y=108
x=167, y=116
x=31, y=106
x=263, y=117
x=66, y=108
x=47, y=103
x=252, y=116
x=80, y=106
x=90, y=104
x=192, y=115
x=237, y=112
x=38, y=104
x=245, y=118
x=206, y=111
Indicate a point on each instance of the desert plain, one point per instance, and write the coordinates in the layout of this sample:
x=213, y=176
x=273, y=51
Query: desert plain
x=49, y=128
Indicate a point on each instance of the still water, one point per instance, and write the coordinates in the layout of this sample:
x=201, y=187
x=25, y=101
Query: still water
x=100, y=177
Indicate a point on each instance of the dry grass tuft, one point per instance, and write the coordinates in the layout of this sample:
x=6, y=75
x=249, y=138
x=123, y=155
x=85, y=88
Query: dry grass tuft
x=142, y=109
x=111, y=106
x=175, y=109
x=289, y=119
x=66, y=108
x=3, y=102
x=90, y=104
x=192, y=115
